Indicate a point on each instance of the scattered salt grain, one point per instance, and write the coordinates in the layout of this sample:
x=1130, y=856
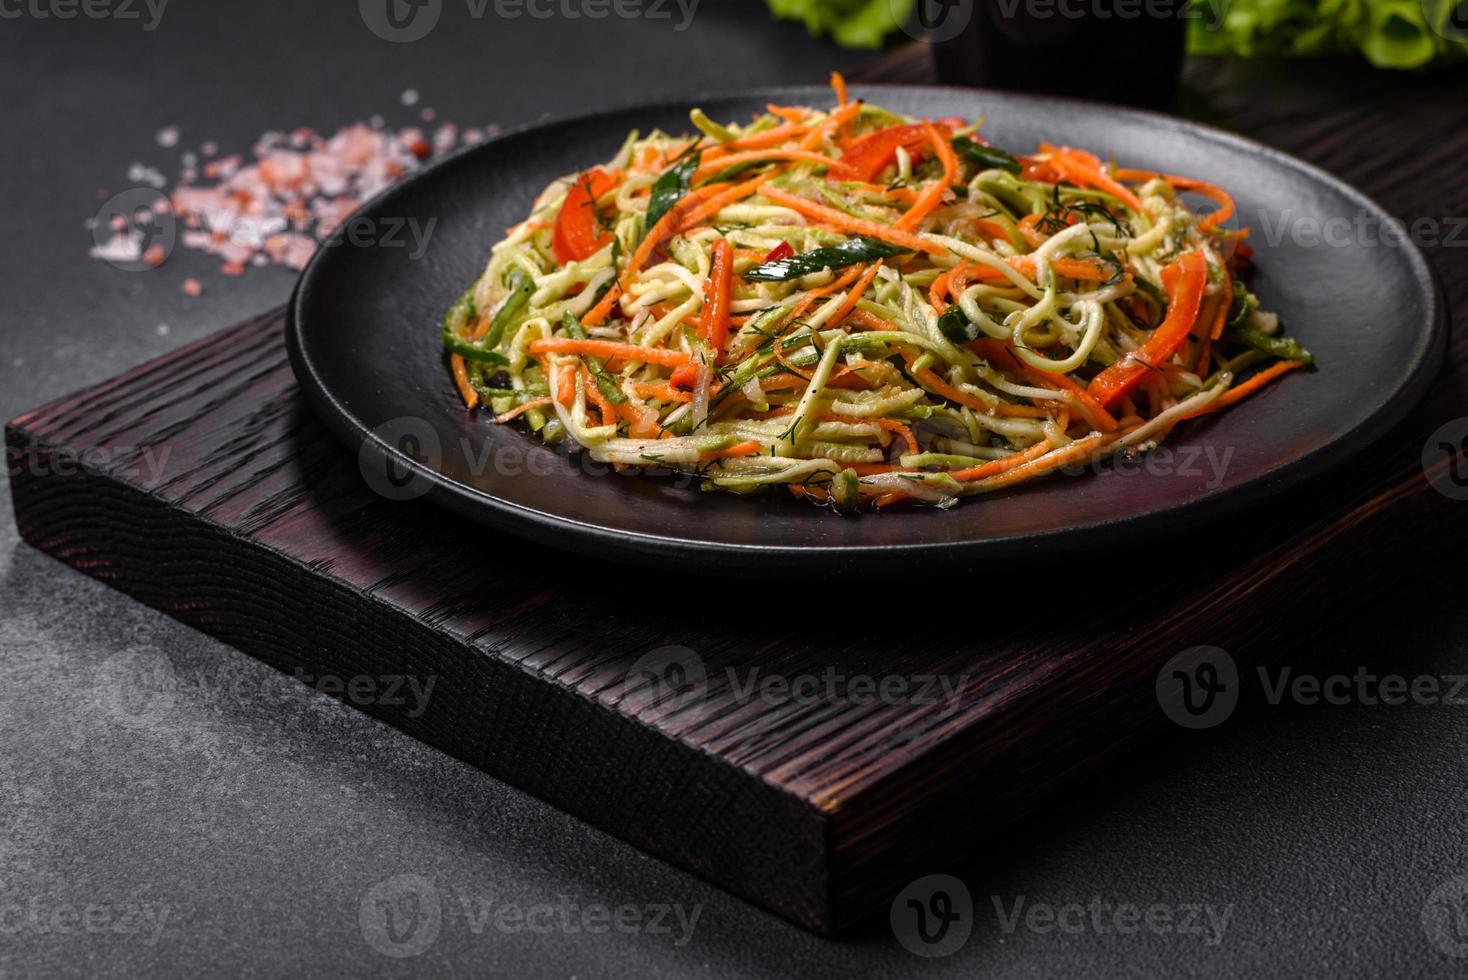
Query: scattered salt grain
x=152, y=176
x=163, y=330
x=275, y=206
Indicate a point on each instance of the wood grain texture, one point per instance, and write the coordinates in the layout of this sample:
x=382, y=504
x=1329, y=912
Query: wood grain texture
x=200, y=484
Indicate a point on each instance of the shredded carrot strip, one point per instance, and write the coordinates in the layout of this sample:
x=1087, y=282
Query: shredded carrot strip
x=838, y=83
x=610, y=348
x=930, y=198
x=853, y=225
x=520, y=408
x=1238, y=393
x=1000, y=465
x=750, y=447
x=854, y=297
x=717, y=202
x=665, y=227
x=830, y=125
x=597, y=315
x=461, y=379
x=771, y=155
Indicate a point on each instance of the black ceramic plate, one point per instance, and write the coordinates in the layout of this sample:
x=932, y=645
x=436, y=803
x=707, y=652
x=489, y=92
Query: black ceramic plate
x=364, y=342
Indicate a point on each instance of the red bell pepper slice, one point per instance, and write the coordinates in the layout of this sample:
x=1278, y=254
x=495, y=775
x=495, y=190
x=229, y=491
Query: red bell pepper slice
x=576, y=234
x=1185, y=280
x=868, y=155
x=780, y=251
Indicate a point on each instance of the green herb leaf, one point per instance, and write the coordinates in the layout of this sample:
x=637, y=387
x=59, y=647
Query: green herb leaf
x=984, y=157
x=605, y=383
x=1286, y=348
x=957, y=327
x=849, y=252
x=670, y=187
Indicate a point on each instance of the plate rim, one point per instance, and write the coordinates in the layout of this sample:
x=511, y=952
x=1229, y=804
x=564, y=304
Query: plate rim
x=574, y=534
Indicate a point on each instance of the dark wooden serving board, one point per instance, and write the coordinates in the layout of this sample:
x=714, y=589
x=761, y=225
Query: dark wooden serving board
x=200, y=484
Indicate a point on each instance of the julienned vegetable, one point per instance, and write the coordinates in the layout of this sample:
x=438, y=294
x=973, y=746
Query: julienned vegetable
x=848, y=253
x=864, y=309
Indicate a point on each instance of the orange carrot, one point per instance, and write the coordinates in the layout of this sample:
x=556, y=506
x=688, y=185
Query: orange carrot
x=660, y=390
x=854, y=297
x=845, y=222
x=597, y=315
x=610, y=348
x=522, y=407
x=716, y=203
x=461, y=379
x=996, y=466
x=666, y=226
x=838, y=84
x=1237, y=394
x=714, y=319
x=930, y=198
x=1086, y=170
x=1224, y=307
x=1045, y=462
x=831, y=124
x=771, y=155
x=749, y=447
x=892, y=425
